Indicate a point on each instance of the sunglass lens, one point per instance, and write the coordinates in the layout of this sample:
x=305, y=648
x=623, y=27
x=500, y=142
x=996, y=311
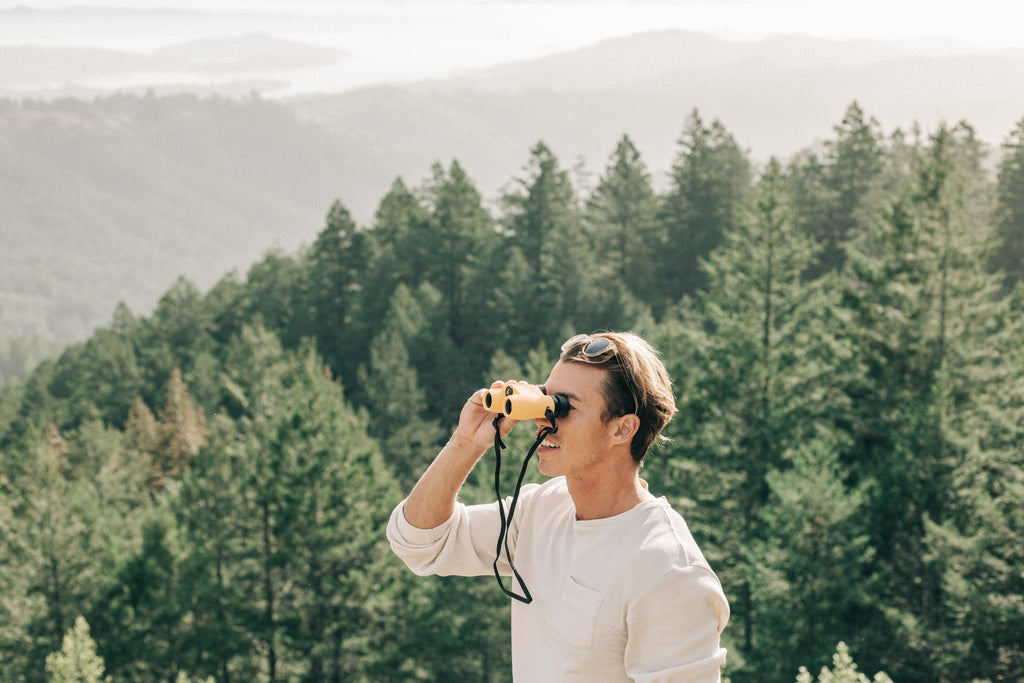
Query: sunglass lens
x=575, y=340
x=597, y=347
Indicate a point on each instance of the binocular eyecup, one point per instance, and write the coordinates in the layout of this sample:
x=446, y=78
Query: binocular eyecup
x=510, y=402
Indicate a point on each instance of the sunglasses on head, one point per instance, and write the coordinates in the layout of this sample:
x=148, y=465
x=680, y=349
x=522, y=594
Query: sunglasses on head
x=594, y=346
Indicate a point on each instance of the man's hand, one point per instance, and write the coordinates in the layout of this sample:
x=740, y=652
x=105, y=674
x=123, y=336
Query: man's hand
x=432, y=500
x=476, y=423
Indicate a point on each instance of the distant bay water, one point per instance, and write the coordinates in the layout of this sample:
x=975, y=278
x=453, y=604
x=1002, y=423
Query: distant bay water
x=375, y=42
x=389, y=40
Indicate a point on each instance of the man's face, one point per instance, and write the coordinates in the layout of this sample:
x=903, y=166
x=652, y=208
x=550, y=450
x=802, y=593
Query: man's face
x=583, y=438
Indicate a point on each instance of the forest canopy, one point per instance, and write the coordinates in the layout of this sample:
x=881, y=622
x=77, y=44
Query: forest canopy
x=207, y=485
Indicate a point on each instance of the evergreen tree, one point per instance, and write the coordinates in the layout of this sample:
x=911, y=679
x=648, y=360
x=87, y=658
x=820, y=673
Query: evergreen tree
x=976, y=541
x=77, y=661
x=395, y=400
x=855, y=160
x=181, y=432
x=447, y=373
x=399, y=229
x=116, y=499
x=759, y=375
x=1010, y=211
x=710, y=184
x=922, y=306
x=143, y=617
x=227, y=308
x=316, y=500
x=547, y=280
x=813, y=577
x=806, y=175
x=50, y=560
x=97, y=378
x=274, y=293
x=621, y=219
x=213, y=532
x=844, y=670
x=462, y=240
x=334, y=265
x=178, y=330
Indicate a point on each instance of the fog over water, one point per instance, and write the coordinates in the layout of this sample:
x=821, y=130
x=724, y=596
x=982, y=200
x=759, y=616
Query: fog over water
x=404, y=40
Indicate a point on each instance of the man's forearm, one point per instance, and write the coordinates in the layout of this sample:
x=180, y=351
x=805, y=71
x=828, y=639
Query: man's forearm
x=432, y=500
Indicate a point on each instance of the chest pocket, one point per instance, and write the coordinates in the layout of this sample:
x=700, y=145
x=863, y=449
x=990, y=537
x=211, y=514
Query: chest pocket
x=577, y=616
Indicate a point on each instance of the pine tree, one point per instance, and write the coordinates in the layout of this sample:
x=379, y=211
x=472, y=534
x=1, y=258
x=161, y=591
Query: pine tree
x=1010, y=211
x=316, y=498
x=396, y=402
x=844, y=670
x=621, y=219
x=77, y=661
x=758, y=369
x=143, y=615
x=213, y=532
x=710, y=185
x=923, y=305
x=334, y=267
x=96, y=379
x=398, y=235
x=462, y=241
x=813, y=575
x=178, y=330
x=181, y=432
x=806, y=175
x=274, y=293
x=50, y=559
x=546, y=281
x=853, y=176
x=976, y=541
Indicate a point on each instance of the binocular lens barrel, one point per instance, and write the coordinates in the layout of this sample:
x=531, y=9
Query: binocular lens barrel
x=523, y=407
x=508, y=401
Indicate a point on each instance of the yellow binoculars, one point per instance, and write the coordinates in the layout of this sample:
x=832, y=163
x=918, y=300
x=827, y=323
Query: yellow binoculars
x=510, y=402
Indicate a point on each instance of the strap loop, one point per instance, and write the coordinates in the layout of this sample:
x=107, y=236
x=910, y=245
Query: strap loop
x=506, y=522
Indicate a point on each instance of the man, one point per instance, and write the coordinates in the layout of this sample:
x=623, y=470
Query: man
x=620, y=590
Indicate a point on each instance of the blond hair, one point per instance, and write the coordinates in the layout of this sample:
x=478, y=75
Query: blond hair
x=636, y=382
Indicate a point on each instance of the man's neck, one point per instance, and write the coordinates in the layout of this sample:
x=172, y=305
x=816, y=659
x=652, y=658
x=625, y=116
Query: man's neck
x=600, y=495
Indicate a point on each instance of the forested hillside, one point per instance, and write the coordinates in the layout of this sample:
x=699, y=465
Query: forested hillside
x=112, y=200
x=208, y=485
x=110, y=197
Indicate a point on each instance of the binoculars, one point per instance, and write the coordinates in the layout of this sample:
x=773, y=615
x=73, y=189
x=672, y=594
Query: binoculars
x=510, y=402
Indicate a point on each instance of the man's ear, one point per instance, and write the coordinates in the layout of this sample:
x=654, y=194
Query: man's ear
x=625, y=427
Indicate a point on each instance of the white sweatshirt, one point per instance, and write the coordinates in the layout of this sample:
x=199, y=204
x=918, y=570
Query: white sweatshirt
x=626, y=598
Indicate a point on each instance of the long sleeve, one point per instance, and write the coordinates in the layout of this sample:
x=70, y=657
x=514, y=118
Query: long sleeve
x=675, y=627
x=627, y=598
x=464, y=545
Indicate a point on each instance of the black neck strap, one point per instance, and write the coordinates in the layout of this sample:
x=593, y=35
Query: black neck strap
x=506, y=522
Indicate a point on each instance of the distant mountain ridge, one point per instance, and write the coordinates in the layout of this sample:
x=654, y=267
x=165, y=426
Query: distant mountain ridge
x=31, y=67
x=110, y=200
x=776, y=96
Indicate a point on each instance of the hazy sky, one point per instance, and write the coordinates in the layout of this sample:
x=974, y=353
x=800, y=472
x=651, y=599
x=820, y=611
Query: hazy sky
x=409, y=40
x=992, y=23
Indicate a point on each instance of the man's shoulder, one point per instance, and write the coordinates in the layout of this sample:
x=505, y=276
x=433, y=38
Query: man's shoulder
x=666, y=541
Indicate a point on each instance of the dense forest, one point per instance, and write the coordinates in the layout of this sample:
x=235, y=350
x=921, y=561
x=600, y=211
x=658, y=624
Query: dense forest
x=207, y=486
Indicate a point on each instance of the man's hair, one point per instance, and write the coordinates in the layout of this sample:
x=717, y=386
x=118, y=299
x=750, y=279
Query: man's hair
x=636, y=382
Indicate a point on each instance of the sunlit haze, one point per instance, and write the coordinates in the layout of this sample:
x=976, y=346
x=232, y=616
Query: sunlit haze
x=406, y=40
x=985, y=23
